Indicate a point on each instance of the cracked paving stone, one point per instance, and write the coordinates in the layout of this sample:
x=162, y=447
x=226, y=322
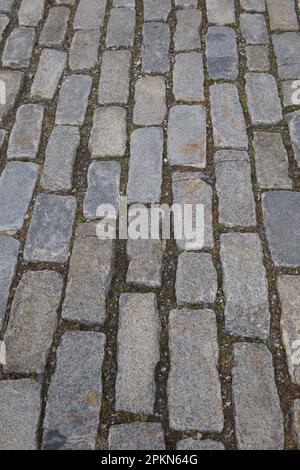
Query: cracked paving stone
x=221, y=52
x=108, y=135
x=194, y=392
x=4, y=21
x=89, y=279
x=196, y=279
x=245, y=285
x=287, y=52
x=75, y=392
x=150, y=101
x=282, y=224
x=50, y=69
x=31, y=12
x=155, y=47
x=188, y=77
x=19, y=48
x=253, y=5
x=6, y=5
x=25, y=138
x=194, y=444
x=55, y=28
x=294, y=130
x=50, y=229
x=263, y=99
x=17, y=184
x=296, y=421
x=90, y=14
x=258, y=58
x=220, y=11
x=145, y=262
x=254, y=29
x=136, y=436
x=282, y=15
x=114, y=77
x=9, y=250
x=84, y=50
x=234, y=188
x=138, y=353
x=60, y=157
x=20, y=408
x=73, y=100
x=187, y=34
x=157, y=10
x=13, y=81
x=121, y=28
x=32, y=322
x=258, y=417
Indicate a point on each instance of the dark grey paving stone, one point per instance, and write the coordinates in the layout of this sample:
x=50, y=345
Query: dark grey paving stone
x=221, y=53
x=73, y=100
x=287, y=52
x=254, y=29
x=136, y=436
x=187, y=34
x=89, y=14
x=157, y=10
x=19, y=48
x=49, y=72
x=155, y=47
x=9, y=250
x=114, y=77
x=263, y=99
x=55, y=28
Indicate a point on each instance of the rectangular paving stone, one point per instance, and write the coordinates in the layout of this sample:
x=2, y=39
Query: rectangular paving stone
x=108, y=135
x=146, y=158
x=138, y=353
x=229, y=127
x=263, y=99
x=124, y=3
x=296, y=421
x=31, y=12
x=89, y=279
x=13, y=81
x=103, y=188
x=187, y=34
x=287, y=52
x=6, y=5
x=294, y=130
x=50, y=229
x=189, y=188
x=258, y=58
x=282, y=15
x=50, y=69
x=60, y=157
x=136, y=436
x=245, y=285
x=75, y=392
x=253, y=5
x=150, y=101
x=289, y=92
x=73, y=100
x=258, y=417
x=188, y=77
x=194, y=390
x=4, y=22
x=25, y=137
x=195, y=444
x=220, y=11
x=221, y=53
x=186, y=3
x=20, y=407
x=32, y=322
x=121, y=28
x=282, y=225
x=9, y=250
x=84, y=50
x=66, y=2
x=89, y=14
x=234, y=189
x=157, y=10
x=114, y=77
x=145, y=262
x=271, y=161
x=253, y=28
x=17, y=183
x=55, y=28
x=155, y=47
x=19, y=48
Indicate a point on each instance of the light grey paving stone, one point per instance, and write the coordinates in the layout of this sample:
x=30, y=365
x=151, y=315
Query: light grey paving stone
x=73, y=100
x=196, y=279
x=271, y=161
x=66, y=2
x=25, y=137
x=31, y=12
x=188, y=188
x=289, y=293
x=282, y=225
x=4, y=21
x=17, y=183
x=253, y=28
x=84, y=50
x=220, y=11
x=157, y=10
x=50, y=229
x=263, y=99
x=32, y=322
x=234, y=188
x=50, y=69
x=60, y=158
x=124, y=3
x=186, y=3
x=187, y=136
x=18, y=48
x=253, y=5
x=13, y=81
x=103, y=188
x=146, y=158
x=287, y=52
x=258, y=417
x=55, y=28
x=150, y=101
x=187, y=34
x=221, y=52
x=114, y=77
x=9, y=250
x=6, y=5
x=296, y=421
x=138, y=353
x=75, y=392
x=258, y=58
x=229, y=127
x=155, y=47
x=145, y=262
x=290, y=92
x=90, y=275
x=108, y=135
x=121, y=28
x=245, y=285
x=188, y=77
x=20, y=407
x=194, y=390
x=136, y=436
x=282, y=15
x=294, y=130
x=89, y=14
x=193, y=444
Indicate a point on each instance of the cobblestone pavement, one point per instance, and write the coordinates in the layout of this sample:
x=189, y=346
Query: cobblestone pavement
x=147, y=345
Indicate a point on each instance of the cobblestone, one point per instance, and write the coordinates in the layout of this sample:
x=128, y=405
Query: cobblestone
x=263, y=99
x=254, y=29
x=150, y=101
x=157, y=10
x=114, y=78
x=18, y=48
x=220, y=12
x=121, y=27
x=155, y=48
x=145, y=262
x=13, y=81
x=50, y=69
x=54, y=31
x=84, y=50
x=187, y=35
x=4, y=21
x=31, y=12
x=188, y=77
x=136, y=436
x=6, y=5
x=89, y=14
x=9, y=250
x=221, y=52
x=294, y=129
x=282, y=15
x=108, y=135
x=258, y=58
x=193, y=444
x=73, y=100
x=287, y=52
x=296, y=421
x=253, y=5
